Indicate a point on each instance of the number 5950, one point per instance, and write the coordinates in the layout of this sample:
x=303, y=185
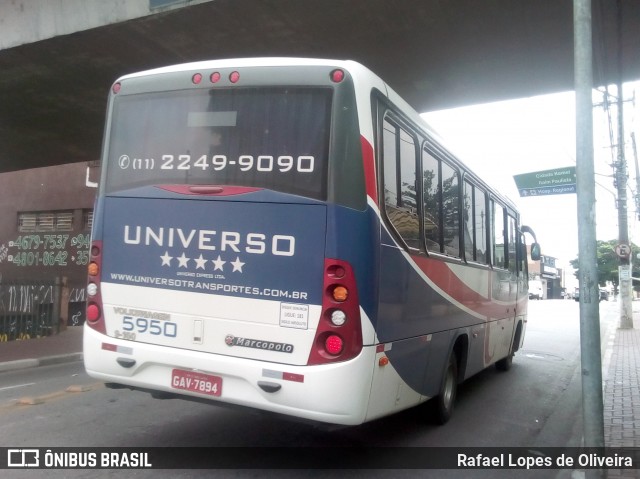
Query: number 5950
x=154, y=327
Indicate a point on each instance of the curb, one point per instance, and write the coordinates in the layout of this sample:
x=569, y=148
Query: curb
x=34, y=363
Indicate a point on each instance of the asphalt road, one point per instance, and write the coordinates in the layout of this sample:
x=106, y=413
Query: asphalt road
x=535, y=404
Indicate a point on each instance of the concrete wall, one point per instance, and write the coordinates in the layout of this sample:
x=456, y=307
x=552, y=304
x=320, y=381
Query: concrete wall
x=27, y=21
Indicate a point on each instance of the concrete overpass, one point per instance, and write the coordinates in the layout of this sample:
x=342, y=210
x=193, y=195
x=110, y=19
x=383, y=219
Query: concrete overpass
x=59, y=57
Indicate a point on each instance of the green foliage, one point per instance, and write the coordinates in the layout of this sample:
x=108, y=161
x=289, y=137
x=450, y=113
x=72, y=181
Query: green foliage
x=608, y=262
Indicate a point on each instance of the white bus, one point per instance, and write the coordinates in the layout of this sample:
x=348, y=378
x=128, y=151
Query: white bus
x=288, y=235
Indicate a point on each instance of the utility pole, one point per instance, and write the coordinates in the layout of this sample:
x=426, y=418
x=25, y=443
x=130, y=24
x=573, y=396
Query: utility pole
x=592, y=403
x=635, y=156
x=624, y=266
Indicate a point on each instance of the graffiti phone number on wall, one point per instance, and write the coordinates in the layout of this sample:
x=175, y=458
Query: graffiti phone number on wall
x=50, y=250
x=33, y=242
x=45, y=258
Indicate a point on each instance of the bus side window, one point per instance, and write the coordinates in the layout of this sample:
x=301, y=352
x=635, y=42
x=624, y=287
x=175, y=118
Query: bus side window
x=450, y=210
x=468, y=218
x=441, y=196
x=480, y=220
x=522, y=257
x=498, y=229
x=400, y=195
x=475, y=218
x=431, y=198
x=512, y=245
x=389, y=161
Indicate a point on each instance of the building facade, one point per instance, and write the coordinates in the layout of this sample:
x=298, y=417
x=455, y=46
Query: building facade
x=548, y=274
x=46, y=216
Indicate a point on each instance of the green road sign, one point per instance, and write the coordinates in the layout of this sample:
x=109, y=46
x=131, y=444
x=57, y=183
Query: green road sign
x=560, y=181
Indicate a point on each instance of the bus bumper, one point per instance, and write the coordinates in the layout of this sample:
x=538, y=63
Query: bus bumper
x=335, y=393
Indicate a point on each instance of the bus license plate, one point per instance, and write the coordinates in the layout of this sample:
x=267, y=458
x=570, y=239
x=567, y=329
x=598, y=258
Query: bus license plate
x=196, y=382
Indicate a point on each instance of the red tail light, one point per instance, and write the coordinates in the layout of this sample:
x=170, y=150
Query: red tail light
x=95, y=318
x=339, y=333
x=334, y=344
x=337, y=75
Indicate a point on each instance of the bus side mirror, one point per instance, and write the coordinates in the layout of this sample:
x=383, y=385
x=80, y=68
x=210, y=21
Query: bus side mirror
x=535, y=252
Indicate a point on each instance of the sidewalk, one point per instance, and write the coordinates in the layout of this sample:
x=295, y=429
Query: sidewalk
x=59, y=348
x=622, y=392
x=622, y=389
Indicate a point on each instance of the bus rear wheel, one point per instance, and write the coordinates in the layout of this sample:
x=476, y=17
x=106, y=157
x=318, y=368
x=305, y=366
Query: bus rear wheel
x=444, y=402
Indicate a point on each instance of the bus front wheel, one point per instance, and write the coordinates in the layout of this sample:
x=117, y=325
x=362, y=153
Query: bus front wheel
x=504, y=364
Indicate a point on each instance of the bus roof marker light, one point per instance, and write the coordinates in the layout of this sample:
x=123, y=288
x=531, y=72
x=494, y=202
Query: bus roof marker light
x=116, y=88
x=337, y=75
x=215, y=77
x=196, y=78
x=234, y=77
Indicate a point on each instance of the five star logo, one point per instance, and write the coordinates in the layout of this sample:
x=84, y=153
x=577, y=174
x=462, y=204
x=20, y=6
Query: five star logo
x=237, y=265
x=218, y=264
x=201, y=262
x=183, y=260
x=166, y=259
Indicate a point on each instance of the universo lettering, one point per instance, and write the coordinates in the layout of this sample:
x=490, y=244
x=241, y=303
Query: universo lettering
x=210, y=240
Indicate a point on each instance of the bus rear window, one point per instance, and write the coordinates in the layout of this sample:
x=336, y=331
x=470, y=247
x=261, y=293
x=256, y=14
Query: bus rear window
x=274, y=138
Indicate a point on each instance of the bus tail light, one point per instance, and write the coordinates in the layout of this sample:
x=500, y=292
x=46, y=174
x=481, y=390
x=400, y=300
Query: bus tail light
x=93, y=269
x=339, y=333
x=93, y=312
x=338, y=318
x=340, y=293
x=94, y=301
x=334, y=344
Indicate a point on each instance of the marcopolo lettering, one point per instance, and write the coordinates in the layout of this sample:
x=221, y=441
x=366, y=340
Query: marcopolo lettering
x=231, y=340
x=210, y=240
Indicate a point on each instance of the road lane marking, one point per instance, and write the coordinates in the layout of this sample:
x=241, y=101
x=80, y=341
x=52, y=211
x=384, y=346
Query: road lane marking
x=16, y=386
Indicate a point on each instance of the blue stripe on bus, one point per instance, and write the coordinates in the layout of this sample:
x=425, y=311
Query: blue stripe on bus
x=418, y=321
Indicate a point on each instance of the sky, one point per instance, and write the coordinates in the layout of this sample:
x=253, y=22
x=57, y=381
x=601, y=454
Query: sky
x=503, y=139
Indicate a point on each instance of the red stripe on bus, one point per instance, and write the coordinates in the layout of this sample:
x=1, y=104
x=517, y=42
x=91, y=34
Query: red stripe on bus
x=369, y=169
x=443, y=277
x=208, y=190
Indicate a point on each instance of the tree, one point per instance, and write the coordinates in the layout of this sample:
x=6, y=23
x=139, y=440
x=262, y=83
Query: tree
x=608, y=263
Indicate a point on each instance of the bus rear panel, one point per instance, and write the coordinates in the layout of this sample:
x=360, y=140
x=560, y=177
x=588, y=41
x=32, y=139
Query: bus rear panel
x=217, y=273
